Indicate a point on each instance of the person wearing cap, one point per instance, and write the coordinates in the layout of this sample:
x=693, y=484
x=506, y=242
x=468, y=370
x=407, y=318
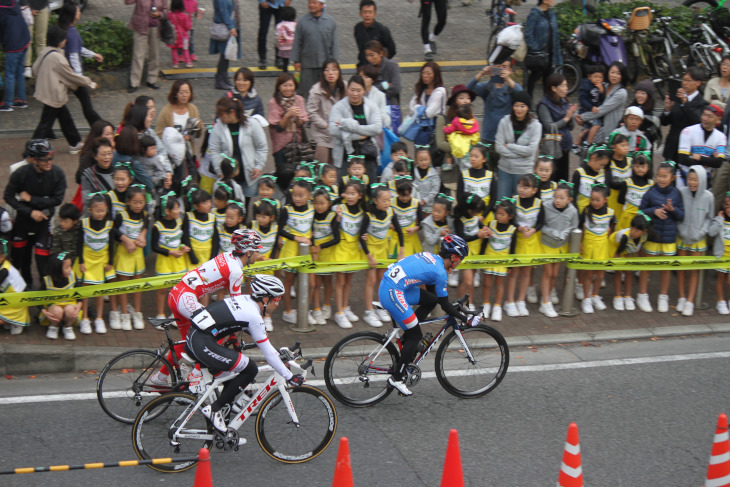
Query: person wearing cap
x=517, y=142
x=702, y=144
x=315, y=40
x=612, y=108
x=495, y=92
x=717, y=90
x=34, y=191
x=645, y=98
x=683, y=109
x=633, y=117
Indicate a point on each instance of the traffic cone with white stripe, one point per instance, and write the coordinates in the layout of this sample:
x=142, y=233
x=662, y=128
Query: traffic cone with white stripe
x=718, y=472
x=571, y=471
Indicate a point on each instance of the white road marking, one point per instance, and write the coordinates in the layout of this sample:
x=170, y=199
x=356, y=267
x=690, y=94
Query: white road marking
x=425, y=375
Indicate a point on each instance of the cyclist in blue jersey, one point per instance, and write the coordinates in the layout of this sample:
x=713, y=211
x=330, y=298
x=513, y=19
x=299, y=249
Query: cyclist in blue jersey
x=400, y=289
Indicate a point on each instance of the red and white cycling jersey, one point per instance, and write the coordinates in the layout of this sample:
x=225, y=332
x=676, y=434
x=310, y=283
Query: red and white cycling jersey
x=224, y=271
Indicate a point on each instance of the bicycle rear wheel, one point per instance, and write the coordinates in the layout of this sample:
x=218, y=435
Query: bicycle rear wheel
x=154, y=428
x=351, y=374
x=123, y=387
x=288, y=442
x=460, y=376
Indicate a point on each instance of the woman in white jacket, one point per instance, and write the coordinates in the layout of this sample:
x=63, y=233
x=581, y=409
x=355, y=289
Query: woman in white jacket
x=251, y=145
x=355, y=122
x=430, y=93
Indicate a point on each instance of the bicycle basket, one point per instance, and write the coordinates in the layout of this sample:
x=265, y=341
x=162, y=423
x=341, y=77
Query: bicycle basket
x=719, y=18
x=640, y=18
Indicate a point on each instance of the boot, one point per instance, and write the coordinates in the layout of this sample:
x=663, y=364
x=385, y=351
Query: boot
x=221, y=75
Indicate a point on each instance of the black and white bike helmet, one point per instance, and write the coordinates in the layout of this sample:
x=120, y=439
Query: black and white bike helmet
x=263, y=285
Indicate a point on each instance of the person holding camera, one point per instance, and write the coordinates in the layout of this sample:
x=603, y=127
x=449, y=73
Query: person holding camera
x=683, y=108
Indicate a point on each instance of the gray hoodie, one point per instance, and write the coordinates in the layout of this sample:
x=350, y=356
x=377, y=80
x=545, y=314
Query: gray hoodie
x=717, y=230
x=520, y=156
x=432, y=233
x=558, y=225
x=698, y=209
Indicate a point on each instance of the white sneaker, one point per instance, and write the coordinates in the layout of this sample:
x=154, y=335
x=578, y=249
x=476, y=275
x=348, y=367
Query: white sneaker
x=371, y=318
x=453, y=279
x=400, y=386
x=486, y=309
x=532, y=295
x=114, y=320
x=52, y=332
x=522, y=308
x=16, y=329
x=598, y=303
x=292, y=292
x=290, y=316
x=680, y=304
x=643, y=303
x=618, y=304
x=138, y=320
x=99, y=326
x=327, y=312
x=603, y=283
x=68, y=333
x=548, y=310
x=689, y=309
x=28, y=72
x=511, y=310
x=342, y=321
x=587, y=306
x=554, y=296
x=158, y=379
x=351, y=317
x=75, y=149
x=318, y=318
x=579, y=294
x=268, y=324
x=496, y=313
x=215, y=417
x=662, y=304
x=383, y=315
x=629, y=303
x=157, y=317
x=477, y=278
x=85, y=327
x=126, y=322
x=311, y=320
x=722, y=308
x=241, y=441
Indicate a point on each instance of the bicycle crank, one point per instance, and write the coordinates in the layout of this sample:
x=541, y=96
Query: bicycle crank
x=413, y=374
x=227, y=443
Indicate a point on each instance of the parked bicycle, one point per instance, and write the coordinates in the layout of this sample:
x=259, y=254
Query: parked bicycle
x=470, y=362
x=293, y=425
x=500, y=16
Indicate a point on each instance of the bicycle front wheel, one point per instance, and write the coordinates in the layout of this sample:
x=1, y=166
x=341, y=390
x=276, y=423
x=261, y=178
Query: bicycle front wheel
x=154, y=431
x=354, y=376
x=290, y=442
x=123, y=387
x=465, y=376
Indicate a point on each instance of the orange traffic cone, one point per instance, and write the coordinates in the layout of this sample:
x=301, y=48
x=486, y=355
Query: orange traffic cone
x=718, y=472
x=571, y=471
x=203, y=475
x=343, y=469
x=453, y=475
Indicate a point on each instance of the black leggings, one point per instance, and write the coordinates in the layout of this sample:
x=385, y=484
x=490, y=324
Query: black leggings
x=426, y=303
x=441, y=10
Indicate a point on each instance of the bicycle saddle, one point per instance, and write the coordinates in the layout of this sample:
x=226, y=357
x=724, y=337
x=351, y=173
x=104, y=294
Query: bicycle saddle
x=161, y=323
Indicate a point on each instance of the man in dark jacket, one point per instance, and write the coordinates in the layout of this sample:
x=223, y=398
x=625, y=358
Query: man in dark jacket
x=683, y=111
x=371, y=30
x=34, y=191
x=15, y=37
x=315, y=40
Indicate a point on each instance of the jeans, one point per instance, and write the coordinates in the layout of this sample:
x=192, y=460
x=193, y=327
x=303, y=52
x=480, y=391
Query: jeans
x=14, y=80
x=265, y=16
x=506, y=184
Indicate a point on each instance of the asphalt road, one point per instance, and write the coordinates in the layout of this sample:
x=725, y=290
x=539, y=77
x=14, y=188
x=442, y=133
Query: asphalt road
x=646, y=411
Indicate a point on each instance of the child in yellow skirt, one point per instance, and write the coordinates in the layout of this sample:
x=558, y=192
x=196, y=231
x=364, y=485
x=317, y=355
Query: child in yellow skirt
x=266, y=190
x=501, y=240
x=96, y=255
x=597, y=221
x=478, y=179
x=468, y=225
x=130, y=230
x=67, y=312
x=529, y=219
x=590, y=172
x=374, y=241
x=561, y=218
x=295, y=227
x=123, y=178
x=232, y=221
x=222, y=195
x=634, y=188
x=544, y=169
x=15, y=319
x=627, y=242
x=721, y=230
x=325, y=236
x=167, y=241
x=356, y=169
x=401, y=170
x=618, y=171
x=349, y=215
x=409, y=213
x=267, y=228
x=201, y=227
x=328, y=178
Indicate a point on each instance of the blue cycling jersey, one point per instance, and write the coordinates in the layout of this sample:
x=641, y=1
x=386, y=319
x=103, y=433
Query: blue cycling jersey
x=415, y=270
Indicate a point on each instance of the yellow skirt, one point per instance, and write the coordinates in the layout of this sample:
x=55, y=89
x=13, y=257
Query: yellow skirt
x=347, y=252
x=626, y=216
x=726, y=255
x=529, y=245
x=45, y=322
x=288, y=250
x=595, y=247
x=582, y=202
x=411, y=243
x=700, y=246
x=613, y=203
x=659, y=249
x=167, y=264
x=202, y=252
x=496, y=271
x=475, y=246
x=127, y=264
x=95, y=263
x=378, y=248
x=206, y=183
x=15, y=316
